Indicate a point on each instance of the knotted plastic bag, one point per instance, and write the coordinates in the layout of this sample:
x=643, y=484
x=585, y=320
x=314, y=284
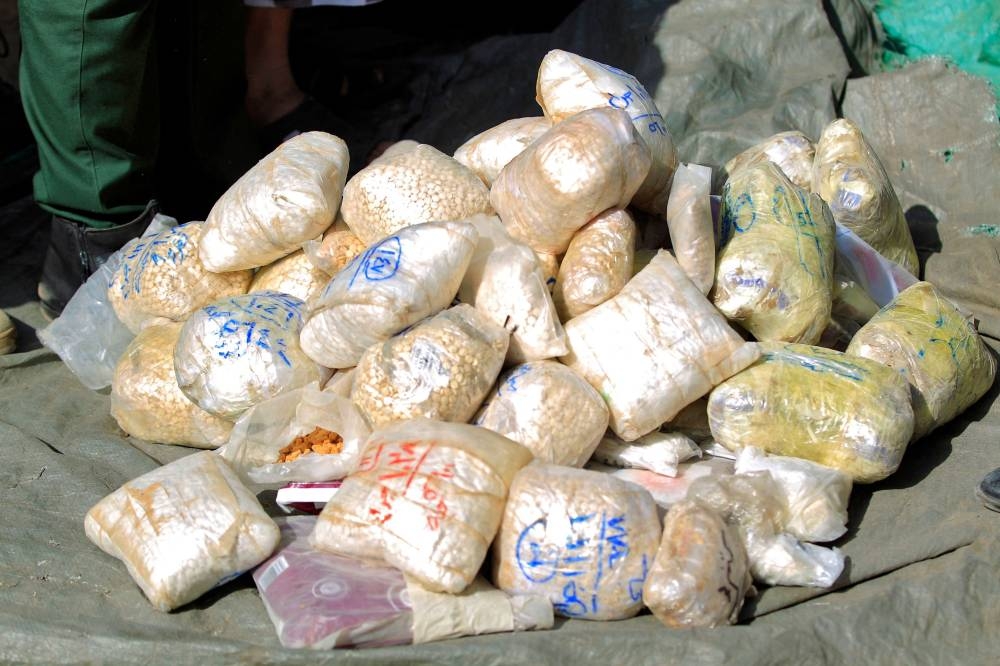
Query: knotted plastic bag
x=146, y=401
x=597, y=263
x=774, y=273
x=395, y=283
x=427, y=498
x=586, y=164
x=506, y=283
x=583, y=539
x=183, y=529
x=548, y=408
x=242, y=350
x=935, y=348
x=849, y=176
x=792, y=152
x=838, y=410
x=488, y=152
x=408, y=184
x=441, y=369
x=161, y=278
x=656, y=347
x=289, y=197
x=568, y=83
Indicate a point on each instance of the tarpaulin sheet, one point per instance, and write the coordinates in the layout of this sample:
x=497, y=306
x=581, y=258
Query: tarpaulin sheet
x=923, y=568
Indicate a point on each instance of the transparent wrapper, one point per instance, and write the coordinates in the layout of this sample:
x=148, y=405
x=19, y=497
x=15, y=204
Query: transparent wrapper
x=935, y=348
x=583, y=539
x=319, y=600
x=88, y=336
x=549, y=265
x=427, y=498
x=850, y=177
x=183, y=529
x=701, y=572
x=754, y=503
x=792, y=152
x=337, y=248
x=394, y=284
x=656, y=347
x=689, y=219
x=289, y=197
x=146, y=401
x=243, y=350
x=816, y=495
x=568, y=83
x=659, y=452
x=263, y=430
x=667, y=490
x=160, y=278
x=294, y=275
x=774, y=273
x=408, y=184
x=586, y=164
x=842, y=411
x=548, y=408
x=488, y=152
x=506, y=283
x=880, y=278
x=851, y=301
x=441, y=369
x=597, y=263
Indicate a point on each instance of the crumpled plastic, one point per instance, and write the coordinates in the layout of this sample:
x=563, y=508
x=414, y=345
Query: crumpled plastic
x=583, y=539
x=487, y=153
x=183, y=529
x=659, y=452
x=395, y=283
x=427, y=498
x=289, y=197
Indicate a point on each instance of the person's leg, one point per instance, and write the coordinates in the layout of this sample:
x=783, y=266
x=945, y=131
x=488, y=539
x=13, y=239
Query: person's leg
x=271, y=89
x=88, y=86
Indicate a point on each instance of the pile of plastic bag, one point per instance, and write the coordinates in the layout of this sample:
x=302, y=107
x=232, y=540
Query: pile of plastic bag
x=527, y=411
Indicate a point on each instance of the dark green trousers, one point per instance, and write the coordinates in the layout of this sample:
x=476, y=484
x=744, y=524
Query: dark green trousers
x=89, y=89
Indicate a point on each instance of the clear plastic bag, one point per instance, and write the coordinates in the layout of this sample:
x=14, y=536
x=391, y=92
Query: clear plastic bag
x=793, y=152
x=689, y=219
x=295, y=275
x=488, y=152
x=336, y=249
x=659, y=452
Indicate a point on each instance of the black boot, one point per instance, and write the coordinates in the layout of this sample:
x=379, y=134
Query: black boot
x=76, y=251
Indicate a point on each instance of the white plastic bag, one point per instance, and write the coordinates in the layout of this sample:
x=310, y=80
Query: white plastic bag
x=548, y=408
x=239, y=351
x=427, y=498
x=583, y=539
x=488, y=152
x=584, y=165
x=395, y=283
x=338, y=246
x=689, y=218
x=504, y=281
x=597, y=263
x=289, y=197
x=294, y=275
x=568, y=83
x=659, y=452
x=656, y=347
x=667, y=490
x=183, y=529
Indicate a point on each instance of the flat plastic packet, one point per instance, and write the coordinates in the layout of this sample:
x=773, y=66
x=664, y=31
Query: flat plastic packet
x=442, y=368
x=160, y=278
x=568, y=83
x=935, y=348
x=774, y=274
x=394, y=284
x=656, y=347
x=506, y=283
x=295, y=275
x=659, y=452
x=792, y=152
x=689, y=219
x=242, y=350
x=816, y=496
x=849, y=176
x=842, y=411
x=88, y=336
x=548, y=408
x=597, y=263
x=147, y=402
x=701, y=572
x=488, y=152
x=408, y=184
x=290, y=196
x=183, y=529
x=583, y=539
x=319, y=600
x=427, y=498
x=584, y=165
